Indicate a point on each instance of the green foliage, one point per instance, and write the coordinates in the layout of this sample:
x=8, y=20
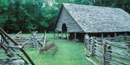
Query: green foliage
x=42, y=14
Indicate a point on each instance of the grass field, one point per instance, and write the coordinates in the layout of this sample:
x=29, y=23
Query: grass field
x=69, y=53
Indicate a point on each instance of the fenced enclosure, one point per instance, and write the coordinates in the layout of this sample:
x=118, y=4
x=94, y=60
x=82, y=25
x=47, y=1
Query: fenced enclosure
x=107, y=52
x=9, y=47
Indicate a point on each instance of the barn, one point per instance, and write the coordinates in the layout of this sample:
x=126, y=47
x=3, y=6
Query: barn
x=77, y=20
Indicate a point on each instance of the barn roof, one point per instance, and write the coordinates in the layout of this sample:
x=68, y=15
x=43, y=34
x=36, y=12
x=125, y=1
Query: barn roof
x=99, y=19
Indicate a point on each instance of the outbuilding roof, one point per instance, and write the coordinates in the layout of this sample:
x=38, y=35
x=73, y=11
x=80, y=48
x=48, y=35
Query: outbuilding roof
x=99, y=19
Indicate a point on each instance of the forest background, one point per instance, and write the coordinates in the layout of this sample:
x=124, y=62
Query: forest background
x=17, y=15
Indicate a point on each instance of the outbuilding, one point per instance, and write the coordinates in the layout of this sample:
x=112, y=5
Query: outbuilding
x=77, y=20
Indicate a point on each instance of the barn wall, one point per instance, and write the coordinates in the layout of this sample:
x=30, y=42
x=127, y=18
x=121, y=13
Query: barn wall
x=66, y=18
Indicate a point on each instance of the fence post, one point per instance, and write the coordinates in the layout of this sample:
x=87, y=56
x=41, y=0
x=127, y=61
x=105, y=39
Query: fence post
x=108, y=37
x=115, y=37
x=75, y=36
x=102, y=36
x=92, y=45
x=57, y=34
x=108, y=57
x=86, y=40
x=128, y=50
x=67, y=35
x=61, y=35
x=104, y=50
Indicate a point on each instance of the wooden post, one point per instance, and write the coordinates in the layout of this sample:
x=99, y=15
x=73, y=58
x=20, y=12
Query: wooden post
x=61, y=35
x=126, y=37
x=86, y=40
x=108, y=56
x=108, y=37
x=75, y=36
x=67, y=35
x=115, y=37
x=57, y=34
x=92, y=46
x=2, y=31
x=102, y=36
x=122, y=38
x=104, y=50
x=128, y=49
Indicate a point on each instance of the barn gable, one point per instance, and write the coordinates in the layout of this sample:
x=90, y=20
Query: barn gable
x=67, y=19
x=99, y=19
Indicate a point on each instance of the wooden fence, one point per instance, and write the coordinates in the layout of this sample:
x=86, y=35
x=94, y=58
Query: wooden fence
x=107, y=52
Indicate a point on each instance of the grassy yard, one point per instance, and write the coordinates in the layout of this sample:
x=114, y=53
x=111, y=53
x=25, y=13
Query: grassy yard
x=69, y=53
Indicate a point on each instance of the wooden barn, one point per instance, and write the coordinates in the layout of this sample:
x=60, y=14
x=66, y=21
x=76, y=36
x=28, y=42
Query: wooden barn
x=77, y=20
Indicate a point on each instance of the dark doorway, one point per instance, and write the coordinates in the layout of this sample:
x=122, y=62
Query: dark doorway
x=64, y=28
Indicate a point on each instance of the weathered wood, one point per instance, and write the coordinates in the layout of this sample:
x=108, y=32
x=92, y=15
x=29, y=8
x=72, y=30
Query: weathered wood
x=62, y=35
x=116, y=44
x=100, y=60
x=100, y=46
x=100, y=43
x=17, y=44
x=91, y=60
x=108, y=37
x=57, y=34
x=115, y=37
x=35, y=38
x=102, y=36
x=98, y=49
x=46, y=48
x=117, y=62
x=67, y=35
x=107, y=56
x=119, y=51
x=44, y=43
x=98, y=54
x=12, y=48
x=104, y=50
x=10, y=58
x=16, y=34
x=92, y=45
x=75, y=36
x=12, y=52
x=119, y=56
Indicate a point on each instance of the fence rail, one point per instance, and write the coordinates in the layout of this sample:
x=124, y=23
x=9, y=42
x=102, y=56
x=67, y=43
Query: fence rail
x=107, y=52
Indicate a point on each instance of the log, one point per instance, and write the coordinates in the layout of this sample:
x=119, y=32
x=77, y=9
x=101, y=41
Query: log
x=116, y=62
x=98, y=54
x=100, y=60
x=100, y=46
x=46, y=48
x=119, y=51
x=2, y=31
x=116, y=44
x=35, y=38
x=100, y=43
x=119, y=56
x=97, y=49
x=10, y=58
x=91, y=60
x=16, y=34
x=104, y=50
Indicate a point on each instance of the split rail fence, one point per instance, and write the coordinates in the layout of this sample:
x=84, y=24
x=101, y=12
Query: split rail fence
x=107, y=52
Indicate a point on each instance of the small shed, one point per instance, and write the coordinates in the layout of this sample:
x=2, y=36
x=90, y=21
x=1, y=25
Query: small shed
x=77, y=20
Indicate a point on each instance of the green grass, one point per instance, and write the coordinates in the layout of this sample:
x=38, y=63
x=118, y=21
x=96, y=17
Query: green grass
x=69, y=53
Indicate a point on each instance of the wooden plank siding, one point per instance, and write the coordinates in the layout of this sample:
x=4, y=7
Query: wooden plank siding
x=66, y=18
